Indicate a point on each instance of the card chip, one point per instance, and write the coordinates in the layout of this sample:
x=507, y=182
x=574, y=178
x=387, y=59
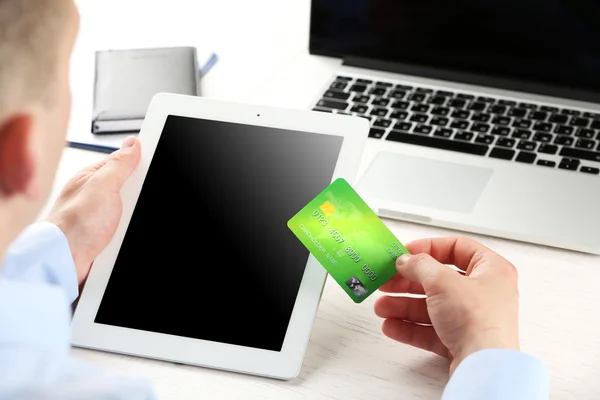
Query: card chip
x=327, y=208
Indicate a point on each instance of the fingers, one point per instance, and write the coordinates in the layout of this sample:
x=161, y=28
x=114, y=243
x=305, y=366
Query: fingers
x=120, y=165
x=423, y=269
x=422, y=337
x=399, y=284
x=457, y=251
x=403, y=308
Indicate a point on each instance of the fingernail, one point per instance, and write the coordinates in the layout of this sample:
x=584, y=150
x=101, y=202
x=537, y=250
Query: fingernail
x=129, y=142
x=403, y=259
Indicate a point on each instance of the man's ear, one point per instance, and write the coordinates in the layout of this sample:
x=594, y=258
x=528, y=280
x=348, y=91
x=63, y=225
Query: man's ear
x=17, y=161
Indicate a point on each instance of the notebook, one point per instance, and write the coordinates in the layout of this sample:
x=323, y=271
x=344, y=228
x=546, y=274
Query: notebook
x=125, y=82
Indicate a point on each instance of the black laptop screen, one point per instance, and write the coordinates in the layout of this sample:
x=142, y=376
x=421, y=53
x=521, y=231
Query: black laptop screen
x=541, y=41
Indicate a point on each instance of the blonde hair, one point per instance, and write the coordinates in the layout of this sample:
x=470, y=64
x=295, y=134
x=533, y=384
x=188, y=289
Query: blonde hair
x=30, y=37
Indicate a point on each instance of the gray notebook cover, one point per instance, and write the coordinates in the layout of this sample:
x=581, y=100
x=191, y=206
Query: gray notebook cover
x=126, y=81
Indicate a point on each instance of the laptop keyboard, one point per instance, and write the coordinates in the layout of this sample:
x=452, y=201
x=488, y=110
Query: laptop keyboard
x=544, y=135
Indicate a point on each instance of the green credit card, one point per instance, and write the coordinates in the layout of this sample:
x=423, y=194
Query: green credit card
x=348, y=239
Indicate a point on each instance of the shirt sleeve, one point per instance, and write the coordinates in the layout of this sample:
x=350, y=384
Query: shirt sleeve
x=499, y=374
x=41, y=254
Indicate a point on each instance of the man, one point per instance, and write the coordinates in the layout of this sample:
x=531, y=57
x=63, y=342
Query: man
x=472, y=319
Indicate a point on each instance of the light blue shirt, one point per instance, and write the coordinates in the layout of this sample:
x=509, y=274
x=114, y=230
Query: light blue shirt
x=38, y=284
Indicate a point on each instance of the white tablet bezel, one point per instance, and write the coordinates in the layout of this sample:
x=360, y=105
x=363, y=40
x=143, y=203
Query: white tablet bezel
x=285, y=364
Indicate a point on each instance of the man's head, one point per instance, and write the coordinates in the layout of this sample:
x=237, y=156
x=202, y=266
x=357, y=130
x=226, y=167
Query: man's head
x=36, y=40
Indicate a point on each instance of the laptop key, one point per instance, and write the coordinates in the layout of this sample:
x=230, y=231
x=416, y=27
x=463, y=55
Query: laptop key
x=591, y=115
x=564, y=140
x=424, y=90
x=322, y=109
x=558, y=119
x=400, y=105
x=421, y=108
x=481, y=117
x=501, y=121
x=507, y=102
x=542, y=127
x=334, y=94
x=404, y=87
x=343, y=78
x=361, y=98
x=521, y=134
x=497, y=109
x=582, y=154
x=595, y=124
x=549, y=108
x=485, y=139
x=505, y=142
x=423, y=129
x=376, y=133
x=547, y=148
x=380, y=102
x=525, y=157
x=528, y=106
x=443, y=132
x=440, y=121
x=358, y=88
x=586, y=144
x=563, y=130
x=569, y=163
x=359, y=109
x=437, y=100
x=457, y=103
x=398, y=94
x=444, y=93
x=546, y=163
x=417, y=97
x=542, y=137
x=504, y=154
x=398, y=114
x=403, y=126
x=517, y=112
x=570, y=112
x=477, y=106
x=383, y=123
x=421, y=118
x=585, y=133
x=521, y=123
x=366, y=81
x=384, y=84
x=501, y=131
x=582, y=122
x=461, y=114
x=466, y=136
x=460, y=124
x=378, y=91
x=336, y=105
x=590, y=170
x=481, y=128
x=465, y=96
x=527, y=145
x=486, y=99
x=338, y=85
x=437, y=143
x=379, y=112
x=442, y=111
x=538, y=116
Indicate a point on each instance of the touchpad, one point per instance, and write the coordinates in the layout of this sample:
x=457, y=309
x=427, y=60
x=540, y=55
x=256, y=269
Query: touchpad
x=424, y=182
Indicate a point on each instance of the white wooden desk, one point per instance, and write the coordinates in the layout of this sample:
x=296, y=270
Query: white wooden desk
x=263, y=58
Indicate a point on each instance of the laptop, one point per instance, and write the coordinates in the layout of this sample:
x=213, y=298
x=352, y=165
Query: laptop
x=484, y=115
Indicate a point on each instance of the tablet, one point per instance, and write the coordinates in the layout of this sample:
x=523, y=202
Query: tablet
x=203, y=269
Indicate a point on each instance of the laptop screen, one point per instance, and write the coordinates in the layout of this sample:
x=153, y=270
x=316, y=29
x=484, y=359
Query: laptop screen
x=540, y=41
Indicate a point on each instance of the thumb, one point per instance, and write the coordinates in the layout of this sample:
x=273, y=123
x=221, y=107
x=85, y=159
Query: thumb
x=424, y=269
x=120, y=165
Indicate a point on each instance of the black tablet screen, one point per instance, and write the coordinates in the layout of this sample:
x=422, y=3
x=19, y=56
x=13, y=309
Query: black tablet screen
x=208, y=254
